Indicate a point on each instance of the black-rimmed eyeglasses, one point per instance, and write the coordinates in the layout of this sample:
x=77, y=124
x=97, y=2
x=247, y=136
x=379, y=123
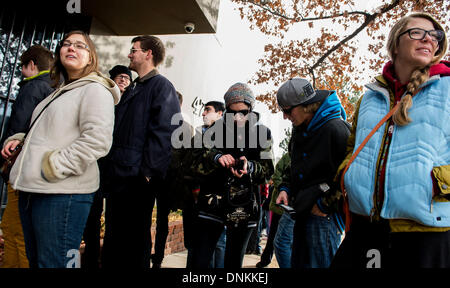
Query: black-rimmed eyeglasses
x=123, y=77
x=419, y=34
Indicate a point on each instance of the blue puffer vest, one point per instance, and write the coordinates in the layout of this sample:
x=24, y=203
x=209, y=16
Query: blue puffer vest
x=414, y=150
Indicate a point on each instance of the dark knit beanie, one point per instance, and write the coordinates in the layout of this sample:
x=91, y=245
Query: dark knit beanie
x=239, y=92
x=119, y=69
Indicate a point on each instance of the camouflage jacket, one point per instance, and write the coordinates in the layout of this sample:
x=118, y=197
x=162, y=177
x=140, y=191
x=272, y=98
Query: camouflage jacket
x=257, y=148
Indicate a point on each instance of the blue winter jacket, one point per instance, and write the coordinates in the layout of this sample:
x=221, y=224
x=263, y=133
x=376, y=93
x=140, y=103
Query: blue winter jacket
x=414, y=150
x=143, y=129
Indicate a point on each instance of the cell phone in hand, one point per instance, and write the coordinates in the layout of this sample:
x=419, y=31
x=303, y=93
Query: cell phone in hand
x=287, y=208
x=239, y=164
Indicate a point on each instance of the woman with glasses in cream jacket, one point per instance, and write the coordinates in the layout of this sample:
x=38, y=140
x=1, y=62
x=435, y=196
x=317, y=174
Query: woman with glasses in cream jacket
x=56, y=172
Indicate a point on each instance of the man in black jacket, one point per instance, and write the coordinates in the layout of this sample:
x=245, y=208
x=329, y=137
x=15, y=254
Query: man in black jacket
x=35, y=86
x=139, y=156
x=317, y=147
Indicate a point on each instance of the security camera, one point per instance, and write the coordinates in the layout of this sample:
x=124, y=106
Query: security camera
x=189, y=27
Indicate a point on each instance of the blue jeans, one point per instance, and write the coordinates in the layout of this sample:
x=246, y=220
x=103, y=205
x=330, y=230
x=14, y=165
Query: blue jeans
x=316, y=240
x=283, y=241
x=53, y=226
x=205, y=240
x=218, y=258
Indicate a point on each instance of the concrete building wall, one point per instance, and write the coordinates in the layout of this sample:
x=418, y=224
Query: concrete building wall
x=203, y=66
x=191, y=65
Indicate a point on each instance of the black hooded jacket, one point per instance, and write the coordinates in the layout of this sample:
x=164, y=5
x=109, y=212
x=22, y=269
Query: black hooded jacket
x=31, y=92
x=316, y=150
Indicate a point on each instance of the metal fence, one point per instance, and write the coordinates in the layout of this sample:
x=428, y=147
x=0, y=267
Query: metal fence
x=18, y=32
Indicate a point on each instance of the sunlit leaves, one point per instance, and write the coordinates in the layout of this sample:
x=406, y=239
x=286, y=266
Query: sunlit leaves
x=338, y=56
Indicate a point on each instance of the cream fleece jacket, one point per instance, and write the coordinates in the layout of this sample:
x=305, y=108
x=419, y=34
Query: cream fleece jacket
x=61, y=150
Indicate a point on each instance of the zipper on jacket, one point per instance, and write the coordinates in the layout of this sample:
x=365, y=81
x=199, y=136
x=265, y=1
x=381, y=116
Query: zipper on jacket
x=372, y=213
x=431, y=205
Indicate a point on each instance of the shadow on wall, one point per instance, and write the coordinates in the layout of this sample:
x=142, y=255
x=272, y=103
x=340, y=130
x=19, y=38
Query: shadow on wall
x=113, y=50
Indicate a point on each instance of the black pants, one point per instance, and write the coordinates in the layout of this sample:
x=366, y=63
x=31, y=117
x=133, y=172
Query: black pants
x=189, y=218
x=267, y=254
x=162, y=225
x=253, y=246
x=91, y=256
x=128, y=242
x=206, y=237
x=369, y=245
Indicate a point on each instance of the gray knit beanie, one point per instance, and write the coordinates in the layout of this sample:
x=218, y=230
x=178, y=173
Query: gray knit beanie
x=239, y=92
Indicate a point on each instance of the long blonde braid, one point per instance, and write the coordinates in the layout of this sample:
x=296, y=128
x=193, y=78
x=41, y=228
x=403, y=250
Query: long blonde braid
x=418, y=77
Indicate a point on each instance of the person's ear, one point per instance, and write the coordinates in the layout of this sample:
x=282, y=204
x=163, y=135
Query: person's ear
x=32, y=66
x=149, y=54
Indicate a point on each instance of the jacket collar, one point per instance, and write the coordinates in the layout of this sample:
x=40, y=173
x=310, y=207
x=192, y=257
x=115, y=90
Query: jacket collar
x=131, y=91
x=381, y=85
x=389, y=79
x=149, y=75
x=41, y=74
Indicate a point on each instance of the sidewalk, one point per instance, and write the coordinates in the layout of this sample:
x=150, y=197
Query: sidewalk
x=178, y=260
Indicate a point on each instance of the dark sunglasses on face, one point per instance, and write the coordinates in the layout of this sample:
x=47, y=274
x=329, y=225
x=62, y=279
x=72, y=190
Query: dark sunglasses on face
x=419, y=34
x=288, y=111
x=243, y=112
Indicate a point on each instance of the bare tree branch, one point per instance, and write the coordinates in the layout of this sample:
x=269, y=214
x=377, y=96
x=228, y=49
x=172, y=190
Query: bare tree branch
x=328, y=61
x=368, y=19
x=303, y=19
